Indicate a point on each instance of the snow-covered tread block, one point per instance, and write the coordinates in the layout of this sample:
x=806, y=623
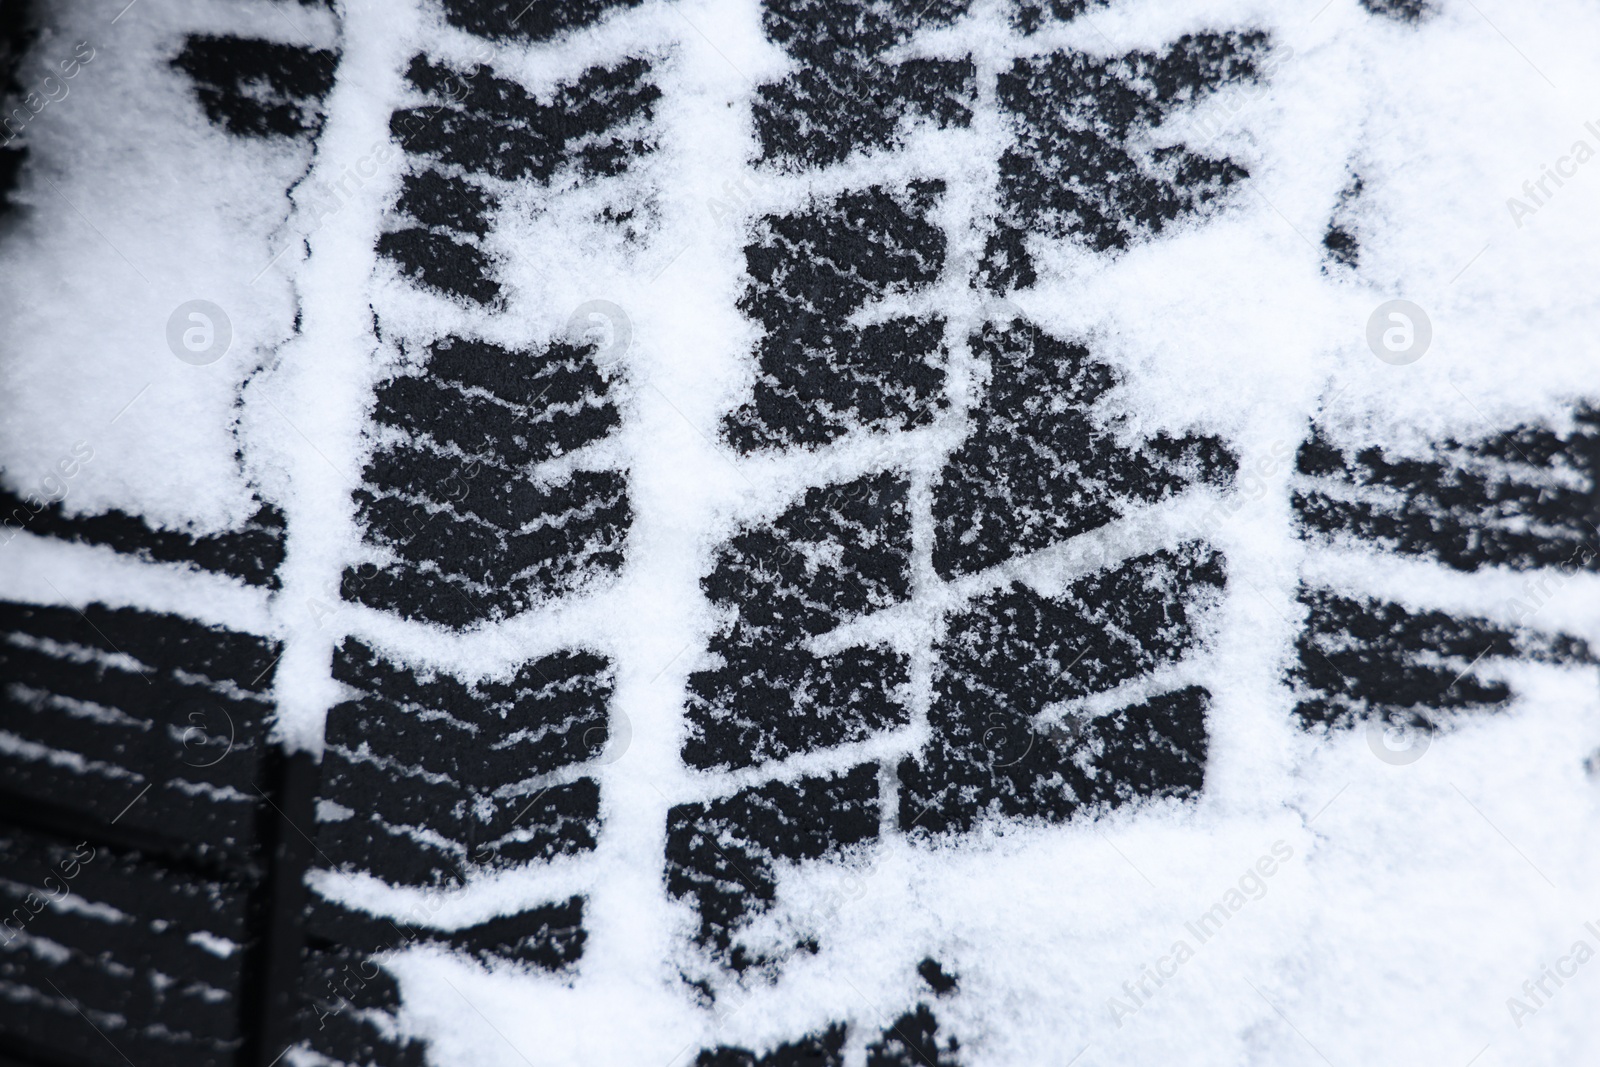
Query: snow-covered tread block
x=1525, y=499
x=549, y=936
x=252, y=551
x=155, y=958
x=1013, y=653
x=722, y=855
x=1400, y=10
x=533, y=20
x=258, y=88
x=1083, y=166
x=819, y=377
x=156, y=908
x=426, y=778
x=347, y=1005
x=447, y=492
x=514, y=408
x=1038, y=468
x=814, y=1050
x=841, y=552
x=912, y=1040
x=1372, y=659
x=485, y=125
x=844, y=96
x=477, y=132
x=109, y=704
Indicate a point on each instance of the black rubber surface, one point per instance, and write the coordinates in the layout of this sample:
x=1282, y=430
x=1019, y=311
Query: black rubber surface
x=1526, y=499
x=258, y=88
x=1037, y=467
x=137, y=778
x=843, y=96
x=1089, y=118
x=437, y=773
x=771, y=698
x=820, y=377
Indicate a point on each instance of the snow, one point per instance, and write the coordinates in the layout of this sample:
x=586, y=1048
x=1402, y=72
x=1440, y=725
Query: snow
x=1417, y=897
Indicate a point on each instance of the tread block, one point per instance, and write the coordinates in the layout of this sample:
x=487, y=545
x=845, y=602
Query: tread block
x=104, y=706
x=910, y=1041
x=434, y=198
x=843, y=97
x=574, y=410
x=913, y=1041
x=537, y=21
x=119, y=937
x=560, y=820
x=818, y=377
x=192, y=818
x=769, y=702
x=441, y=261
x=159, y=642
x=475, y=538
x=835, y=258
x=1145, y=751
x=130, y=883
x=559, y=373
x=548, y=935
x=552, y=714
x=1526, y=499
x=146, y=915
x=252, y=553
x=1038, y=469
x=78, y=675
x=257, y=88
x=397, y=795
x=184, y=753
x=1089, y=118
x=722, y=855
x=431, y=769
x=814, y=1050
x=593, y=126
x=1399, y=10
x=1014, y=652
x=1374, y=659
x=817, y=384
x=843, y=551
x=493, y=495
x=1020, y=650
x=365, y=843
x=477, y=541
